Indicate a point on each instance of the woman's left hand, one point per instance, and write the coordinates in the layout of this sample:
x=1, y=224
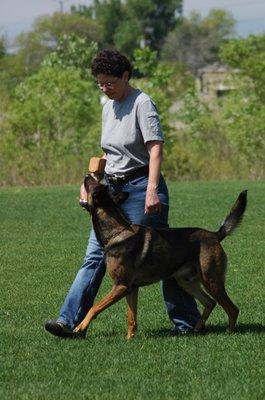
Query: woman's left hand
x=152, y=202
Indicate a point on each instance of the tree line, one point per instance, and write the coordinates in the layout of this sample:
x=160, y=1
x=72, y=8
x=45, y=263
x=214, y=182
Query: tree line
x=50, y=105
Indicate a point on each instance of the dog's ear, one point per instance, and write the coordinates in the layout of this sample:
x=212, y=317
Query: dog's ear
x=119, y=197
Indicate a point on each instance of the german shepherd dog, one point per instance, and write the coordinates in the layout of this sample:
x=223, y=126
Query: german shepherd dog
x=136, y=255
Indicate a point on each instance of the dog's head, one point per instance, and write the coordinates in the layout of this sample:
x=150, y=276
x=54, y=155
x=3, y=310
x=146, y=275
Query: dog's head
x=99, y=195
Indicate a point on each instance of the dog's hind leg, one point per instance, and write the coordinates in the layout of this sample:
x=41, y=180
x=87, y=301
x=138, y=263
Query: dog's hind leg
x=218, y=292
x=117, y=293
x=132, y=312
x=195, y=290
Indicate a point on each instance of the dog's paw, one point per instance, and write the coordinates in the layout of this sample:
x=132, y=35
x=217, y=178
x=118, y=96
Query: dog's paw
x=79, y=329
x=130, y=336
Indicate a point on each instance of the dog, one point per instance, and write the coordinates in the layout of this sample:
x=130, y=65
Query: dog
x=137, y=255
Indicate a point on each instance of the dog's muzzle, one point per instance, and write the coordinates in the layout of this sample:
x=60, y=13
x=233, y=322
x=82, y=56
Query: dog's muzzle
x=84, y=204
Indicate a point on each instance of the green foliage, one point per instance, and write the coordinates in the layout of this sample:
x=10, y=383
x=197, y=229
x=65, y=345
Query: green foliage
x=158, y=82
x=243, y=118
x=127, y=24
x=249, y=56
x=33, y=46
x=112, y=18
x=4, y=76
x=50, y=123
x=48, y=29
x=219, y=23
x=2, y=46
x=145, y=61
x=196, y=40
x=197, y=148
x=110, y=14
x=155, y=82
x=127, y=36
x=51, y=126
x=54, y=104
x=221, y=140
x=155, y=19
x=54, y=118
x=73, y=52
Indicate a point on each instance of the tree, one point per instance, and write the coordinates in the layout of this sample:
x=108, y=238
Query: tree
x=156, y=18
x=128, y=37
x=6, y=69
x=127, y=24
x=156, y=82
x=73, y=52
x=196, y=40
x=53, y=105
x=34, y=45
x=249, y=56
x=52, y=120
x=2, y=46
x=51, y=129
x=109, y=14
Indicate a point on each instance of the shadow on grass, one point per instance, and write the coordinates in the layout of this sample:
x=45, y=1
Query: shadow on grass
x=211, y=329
x=219, y=329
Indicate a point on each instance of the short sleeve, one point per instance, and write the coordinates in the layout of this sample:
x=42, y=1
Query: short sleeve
x=148, y=121
x=104, y=114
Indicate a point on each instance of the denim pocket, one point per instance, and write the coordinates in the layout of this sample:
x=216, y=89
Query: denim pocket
x=140, y=183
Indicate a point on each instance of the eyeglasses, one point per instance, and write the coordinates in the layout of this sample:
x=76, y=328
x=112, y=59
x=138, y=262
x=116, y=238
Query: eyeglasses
x=108, y=85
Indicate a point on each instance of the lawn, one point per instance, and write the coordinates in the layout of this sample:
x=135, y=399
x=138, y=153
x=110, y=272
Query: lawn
x=43, y=238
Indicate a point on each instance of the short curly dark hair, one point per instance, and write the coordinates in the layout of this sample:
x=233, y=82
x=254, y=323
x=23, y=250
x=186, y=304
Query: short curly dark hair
x=111, y=62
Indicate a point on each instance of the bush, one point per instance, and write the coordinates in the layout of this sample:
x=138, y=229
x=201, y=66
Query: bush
x=223, y=140
x=52, y=128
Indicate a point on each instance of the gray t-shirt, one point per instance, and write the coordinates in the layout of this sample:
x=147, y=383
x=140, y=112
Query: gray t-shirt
x=126, y=128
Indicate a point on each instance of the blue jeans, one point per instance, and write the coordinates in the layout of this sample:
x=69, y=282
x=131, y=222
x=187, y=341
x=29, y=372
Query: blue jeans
x=181, y=307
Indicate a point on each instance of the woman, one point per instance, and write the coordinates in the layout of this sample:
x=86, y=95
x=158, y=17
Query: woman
x=132, y=141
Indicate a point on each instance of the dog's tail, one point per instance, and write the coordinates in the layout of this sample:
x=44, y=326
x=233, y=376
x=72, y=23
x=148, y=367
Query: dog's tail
x=234, y=218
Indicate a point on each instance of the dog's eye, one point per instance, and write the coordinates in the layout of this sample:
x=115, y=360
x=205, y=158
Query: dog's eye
x=100, y=194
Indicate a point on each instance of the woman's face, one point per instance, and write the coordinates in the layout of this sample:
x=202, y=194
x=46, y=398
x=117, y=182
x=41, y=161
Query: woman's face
x=113, y=87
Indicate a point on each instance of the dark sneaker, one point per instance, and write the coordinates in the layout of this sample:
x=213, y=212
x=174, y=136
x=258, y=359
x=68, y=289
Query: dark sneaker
x=181, y=330
x=57, y=328
x=187, y=330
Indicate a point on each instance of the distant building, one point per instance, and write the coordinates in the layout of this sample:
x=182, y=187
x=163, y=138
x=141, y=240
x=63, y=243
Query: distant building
x=215, y=81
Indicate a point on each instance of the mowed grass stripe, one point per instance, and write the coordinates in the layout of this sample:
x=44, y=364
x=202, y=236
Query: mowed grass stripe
x=43, y=238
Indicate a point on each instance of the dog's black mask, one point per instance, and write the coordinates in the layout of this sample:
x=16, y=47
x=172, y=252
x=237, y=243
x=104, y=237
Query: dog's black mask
x=102, y=195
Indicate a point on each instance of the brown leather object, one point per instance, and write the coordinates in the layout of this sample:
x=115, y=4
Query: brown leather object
x=97, y=165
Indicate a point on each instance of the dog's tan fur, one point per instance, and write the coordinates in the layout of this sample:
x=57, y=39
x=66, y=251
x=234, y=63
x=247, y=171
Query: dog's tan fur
x=137, y=256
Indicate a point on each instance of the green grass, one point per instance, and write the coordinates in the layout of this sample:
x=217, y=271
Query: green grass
x=43, y=237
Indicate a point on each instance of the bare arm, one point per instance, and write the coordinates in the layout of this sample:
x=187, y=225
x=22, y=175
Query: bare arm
x=152, y=202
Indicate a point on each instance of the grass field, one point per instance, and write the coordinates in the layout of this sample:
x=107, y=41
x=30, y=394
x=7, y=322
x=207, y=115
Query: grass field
x=43, y=237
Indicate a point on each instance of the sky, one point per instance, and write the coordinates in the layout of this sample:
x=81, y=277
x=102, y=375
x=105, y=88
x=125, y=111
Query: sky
x=18, y=15
x=249, y=14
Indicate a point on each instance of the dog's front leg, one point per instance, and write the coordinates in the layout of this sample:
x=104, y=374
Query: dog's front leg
x=132, y=312
x=117, y=293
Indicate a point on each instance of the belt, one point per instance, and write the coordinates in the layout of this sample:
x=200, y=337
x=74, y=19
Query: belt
x=137, y=173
